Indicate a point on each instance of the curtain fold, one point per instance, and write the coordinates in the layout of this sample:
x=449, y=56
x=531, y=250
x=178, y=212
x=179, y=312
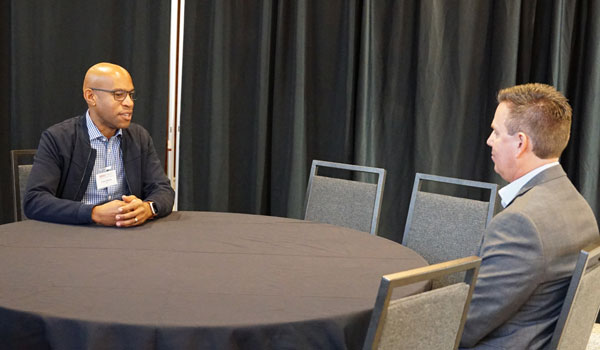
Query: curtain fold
x=270, y=85
x=409, y=86
x=226, y=111
x=578, y=64
x=289, y=57
x=6, y=199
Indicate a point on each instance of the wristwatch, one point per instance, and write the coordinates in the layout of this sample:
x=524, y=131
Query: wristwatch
x=153, y=208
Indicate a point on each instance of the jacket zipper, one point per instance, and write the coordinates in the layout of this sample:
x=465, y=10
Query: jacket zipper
x=86, y=169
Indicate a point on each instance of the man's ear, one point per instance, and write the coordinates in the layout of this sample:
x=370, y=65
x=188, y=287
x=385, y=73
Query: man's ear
x=525, y=144
x=89, y=97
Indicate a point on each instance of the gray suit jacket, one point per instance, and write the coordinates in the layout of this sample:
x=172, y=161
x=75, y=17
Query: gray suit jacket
x=528, y=255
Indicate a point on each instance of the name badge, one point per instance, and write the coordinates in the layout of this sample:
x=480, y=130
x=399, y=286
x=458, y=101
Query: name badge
x=106, y=178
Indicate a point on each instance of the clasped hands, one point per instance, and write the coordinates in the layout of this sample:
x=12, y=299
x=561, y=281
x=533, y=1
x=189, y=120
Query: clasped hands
x=131, y=211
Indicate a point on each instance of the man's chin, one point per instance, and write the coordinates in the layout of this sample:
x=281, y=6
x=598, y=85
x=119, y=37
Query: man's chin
x=124, y=125
x=504, y=176
x=499, y=173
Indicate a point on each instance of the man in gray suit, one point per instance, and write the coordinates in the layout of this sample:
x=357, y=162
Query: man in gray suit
x=529, y=249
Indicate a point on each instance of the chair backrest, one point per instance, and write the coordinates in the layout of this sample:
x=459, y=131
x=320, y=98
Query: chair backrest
x=352, y=204
x=442, y=227
x=21, y=162
x=581, y=305
x=430, y=320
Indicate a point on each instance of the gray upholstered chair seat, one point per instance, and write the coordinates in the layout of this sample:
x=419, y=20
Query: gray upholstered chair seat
x=430, y=320
x=22, y=162
x=410, y=320
x=445, y=227
x=594, y=343
x=581, y=305
x=442, y=227
x=342, y=202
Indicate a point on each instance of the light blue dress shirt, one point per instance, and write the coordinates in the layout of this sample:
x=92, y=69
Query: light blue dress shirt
x=108, y=156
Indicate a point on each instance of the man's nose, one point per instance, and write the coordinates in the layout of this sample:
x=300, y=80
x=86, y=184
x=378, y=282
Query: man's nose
x=128, y=101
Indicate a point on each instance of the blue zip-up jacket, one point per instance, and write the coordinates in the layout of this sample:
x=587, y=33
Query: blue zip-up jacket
x=63, y=166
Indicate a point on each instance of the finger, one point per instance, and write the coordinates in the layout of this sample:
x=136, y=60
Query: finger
x=129, y=222
x=126, y=216
x=130, y=198
x=125, y=209
x=131, y=206
x=139, y=212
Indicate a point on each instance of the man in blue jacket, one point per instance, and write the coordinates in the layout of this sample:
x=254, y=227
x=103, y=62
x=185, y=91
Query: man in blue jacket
x=99, y=167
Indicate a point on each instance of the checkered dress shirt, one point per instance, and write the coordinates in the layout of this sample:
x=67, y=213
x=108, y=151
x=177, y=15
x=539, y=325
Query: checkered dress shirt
x=108, y=154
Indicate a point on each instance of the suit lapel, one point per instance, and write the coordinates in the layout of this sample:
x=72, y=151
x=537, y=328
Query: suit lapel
x=545, y=176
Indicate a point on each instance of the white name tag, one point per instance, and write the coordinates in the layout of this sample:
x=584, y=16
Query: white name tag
x=106, y=178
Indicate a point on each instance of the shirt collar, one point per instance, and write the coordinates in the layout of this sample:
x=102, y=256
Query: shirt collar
x=510, y=191
x=93, y=131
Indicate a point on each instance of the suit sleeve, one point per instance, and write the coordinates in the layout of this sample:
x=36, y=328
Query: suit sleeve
x=511, y=269
x=41, y=201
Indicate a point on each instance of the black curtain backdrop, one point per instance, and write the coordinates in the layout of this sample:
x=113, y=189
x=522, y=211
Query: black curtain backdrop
x=408, y=86
x=47, y=46
x=268, y=86
x=6, y=211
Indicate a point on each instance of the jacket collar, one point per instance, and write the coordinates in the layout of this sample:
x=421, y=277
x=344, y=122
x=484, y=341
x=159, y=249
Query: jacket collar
x=543, y=177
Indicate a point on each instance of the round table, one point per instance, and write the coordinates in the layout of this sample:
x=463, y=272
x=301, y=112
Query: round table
x=192, y=280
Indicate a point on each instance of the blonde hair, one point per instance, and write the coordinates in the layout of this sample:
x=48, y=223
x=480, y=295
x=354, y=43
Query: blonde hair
x=541, y=112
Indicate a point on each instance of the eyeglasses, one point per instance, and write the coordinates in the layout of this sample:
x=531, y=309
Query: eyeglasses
x=119, y=95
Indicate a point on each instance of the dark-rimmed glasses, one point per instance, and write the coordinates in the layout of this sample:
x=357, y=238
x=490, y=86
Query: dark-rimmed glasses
x=119, y=95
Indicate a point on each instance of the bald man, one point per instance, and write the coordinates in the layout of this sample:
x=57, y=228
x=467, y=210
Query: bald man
x=99, y=167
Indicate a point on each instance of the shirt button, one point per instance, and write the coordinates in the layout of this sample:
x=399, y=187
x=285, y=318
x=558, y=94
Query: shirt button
x=109, y=197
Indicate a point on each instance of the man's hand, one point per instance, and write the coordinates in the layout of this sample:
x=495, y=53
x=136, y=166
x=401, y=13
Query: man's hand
x=134, y=212
x=106, y=214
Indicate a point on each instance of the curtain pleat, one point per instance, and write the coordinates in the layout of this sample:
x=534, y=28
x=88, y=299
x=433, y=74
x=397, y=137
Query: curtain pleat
x=409, y=86
x=270, y=85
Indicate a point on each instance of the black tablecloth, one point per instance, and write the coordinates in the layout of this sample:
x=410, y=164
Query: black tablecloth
x=192, y=280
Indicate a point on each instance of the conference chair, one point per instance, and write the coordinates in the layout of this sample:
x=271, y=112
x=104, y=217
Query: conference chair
x=348, y=203
x=433, y=319
x=442, y=227
x=581, y=305
x=21, y=162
